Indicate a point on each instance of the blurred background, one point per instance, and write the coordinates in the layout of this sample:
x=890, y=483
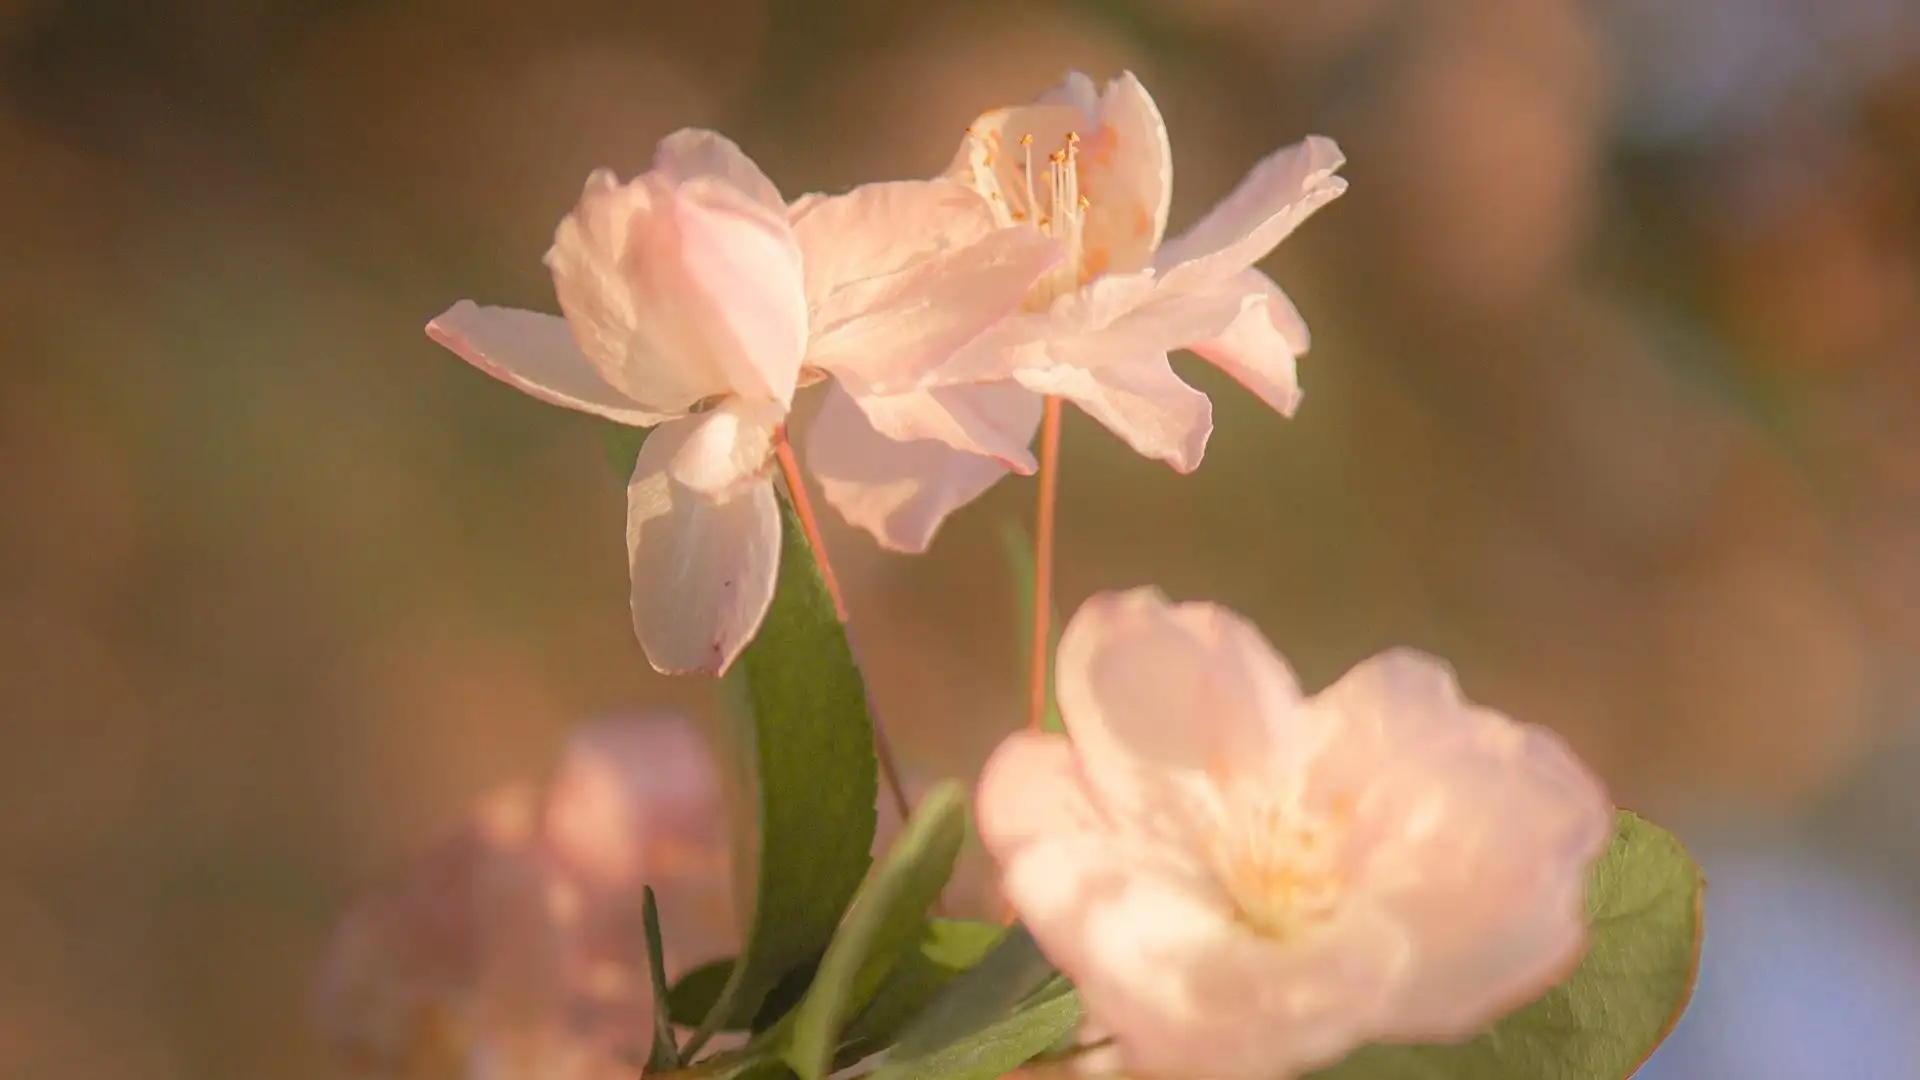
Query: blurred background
x=1614, y=401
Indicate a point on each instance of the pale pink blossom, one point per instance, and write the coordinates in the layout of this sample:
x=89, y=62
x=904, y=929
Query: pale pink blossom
x=1245, y=883
x=697, y=301
x=1094, y=170
x=513, y=947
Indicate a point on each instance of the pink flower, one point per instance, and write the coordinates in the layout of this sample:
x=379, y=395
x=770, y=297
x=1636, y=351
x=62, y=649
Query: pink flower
x=1093, y=170
x=513, y=946
x=1245, y=883
x=697, y=301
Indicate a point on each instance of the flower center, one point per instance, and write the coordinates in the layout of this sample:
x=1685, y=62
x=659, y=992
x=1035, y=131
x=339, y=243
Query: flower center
x=1047, y=196
x=1280, y=865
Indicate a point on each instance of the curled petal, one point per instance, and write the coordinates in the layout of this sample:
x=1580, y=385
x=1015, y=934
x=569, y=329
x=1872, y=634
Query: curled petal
x=1126, y=172
x=1259, y=349
x=535, y=353
x=679, y=292
x=728, y=449
x=696, y=152
x=702, y=570
x=899, y=492
x=995, y=420
x=1141, y=400
x=1277, y=195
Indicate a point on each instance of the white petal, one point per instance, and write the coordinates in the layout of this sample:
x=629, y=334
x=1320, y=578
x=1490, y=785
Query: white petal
x=1141, y=400
x=1277, y=195
x=899, y=492
x=693, y=152
x=1154, y=949
x=679, y=292
x=729, y=449
x=1259, y=349
x=535, y=353
x=996, y=420
x=1126, y=173
x=1472, y=831
x=902, y=275
x=703, y=571
x=1166, y=701
x=877, y=229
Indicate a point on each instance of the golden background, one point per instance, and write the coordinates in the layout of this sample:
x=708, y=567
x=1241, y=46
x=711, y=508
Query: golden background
x=1612, y=402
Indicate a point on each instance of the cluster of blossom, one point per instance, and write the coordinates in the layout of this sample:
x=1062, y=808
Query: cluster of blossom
x=1239, y=879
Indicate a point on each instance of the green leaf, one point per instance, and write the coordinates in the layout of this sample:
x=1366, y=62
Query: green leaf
x=622, y=446
x=1019, y=551
x=973, y=1000
x=947, y=947
x=994, y=1050
x=665, y=1054
x=1602, y=1023
x=695, y=994
x=879, y=928
x=801, y=746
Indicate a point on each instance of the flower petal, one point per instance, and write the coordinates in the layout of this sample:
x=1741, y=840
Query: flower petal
x=899, y=492
x=1126, y=173
x=901, y=275
x=615, y=332
x=1260, y=348
x=1141, y=400
x=681, y=292
x=996, y=420
x=1165, y=701
x=694, y=152
x=1154, y=949
x=702, y=570
x=729, y=448
x=1475, y=834
x=1277, y=195
x=878, y=229
x=535, y=353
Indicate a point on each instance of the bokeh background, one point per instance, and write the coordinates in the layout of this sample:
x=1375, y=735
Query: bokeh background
x=1614, y=401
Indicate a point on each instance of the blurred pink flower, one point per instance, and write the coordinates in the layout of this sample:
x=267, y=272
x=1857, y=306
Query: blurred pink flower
x=1093, y=170
x=513, y=947
x=1245, y=883
x=697, y=301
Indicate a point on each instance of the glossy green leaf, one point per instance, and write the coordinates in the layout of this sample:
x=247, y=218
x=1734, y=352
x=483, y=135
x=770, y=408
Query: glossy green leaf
x=800, y=745
x=881, y=926
x=991, y=1051
x=1019, y=551
x=1603, y=1022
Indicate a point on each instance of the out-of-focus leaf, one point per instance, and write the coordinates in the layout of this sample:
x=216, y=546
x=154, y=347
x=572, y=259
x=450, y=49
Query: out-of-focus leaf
x=947, y=947
x=992, y=1051
x=880, y=927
